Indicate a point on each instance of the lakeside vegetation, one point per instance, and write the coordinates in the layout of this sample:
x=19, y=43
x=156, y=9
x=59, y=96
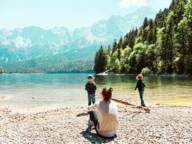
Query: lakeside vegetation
x=1, y=70
x=51, y=66
x=160, y=45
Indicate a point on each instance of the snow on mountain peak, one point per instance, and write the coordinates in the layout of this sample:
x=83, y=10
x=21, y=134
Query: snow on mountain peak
x=21, y=42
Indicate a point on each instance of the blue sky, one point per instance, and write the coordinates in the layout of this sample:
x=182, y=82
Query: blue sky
x=68, y=13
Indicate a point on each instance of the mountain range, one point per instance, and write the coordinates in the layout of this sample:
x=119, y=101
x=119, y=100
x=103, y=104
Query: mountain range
x=34, y=49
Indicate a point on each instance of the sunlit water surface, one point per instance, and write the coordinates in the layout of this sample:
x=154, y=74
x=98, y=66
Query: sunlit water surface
x=30, y=91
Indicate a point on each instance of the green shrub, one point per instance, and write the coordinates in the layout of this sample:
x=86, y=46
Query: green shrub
x=146, y=71
x=1, y=70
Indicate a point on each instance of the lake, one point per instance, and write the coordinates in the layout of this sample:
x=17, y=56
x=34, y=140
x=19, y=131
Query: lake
x=36, y=91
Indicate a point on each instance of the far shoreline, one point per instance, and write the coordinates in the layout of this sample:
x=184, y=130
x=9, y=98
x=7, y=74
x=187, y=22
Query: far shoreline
x=150, y=75
x=105, y=74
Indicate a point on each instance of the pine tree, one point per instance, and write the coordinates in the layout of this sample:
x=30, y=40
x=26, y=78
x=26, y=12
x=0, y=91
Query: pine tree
x=145, y=23
x=101, y=60
x=114, y=48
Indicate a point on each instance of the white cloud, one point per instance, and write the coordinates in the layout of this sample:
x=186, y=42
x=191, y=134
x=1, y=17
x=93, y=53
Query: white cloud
x=128, y=3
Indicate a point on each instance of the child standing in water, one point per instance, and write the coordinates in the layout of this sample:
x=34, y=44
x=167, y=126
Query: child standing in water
x=140, y=86
x=91, y=88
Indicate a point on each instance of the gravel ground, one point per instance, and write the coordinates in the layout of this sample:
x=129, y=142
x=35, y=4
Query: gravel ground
x=164, y=125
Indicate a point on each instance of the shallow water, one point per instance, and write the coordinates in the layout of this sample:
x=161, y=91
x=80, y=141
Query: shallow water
x=27, y=91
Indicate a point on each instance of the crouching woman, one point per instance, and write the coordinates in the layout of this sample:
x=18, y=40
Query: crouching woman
x=105, y=116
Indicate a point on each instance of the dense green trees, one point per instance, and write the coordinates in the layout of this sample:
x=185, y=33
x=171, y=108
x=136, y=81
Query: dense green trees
x=162, y=45
x=1, y=70
x=101, y=60
x=183, y=42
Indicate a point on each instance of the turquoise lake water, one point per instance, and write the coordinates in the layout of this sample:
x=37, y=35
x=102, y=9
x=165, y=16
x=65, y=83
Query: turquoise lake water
x=26, y=91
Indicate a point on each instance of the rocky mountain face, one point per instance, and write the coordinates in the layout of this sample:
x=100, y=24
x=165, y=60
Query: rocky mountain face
x=34, y=49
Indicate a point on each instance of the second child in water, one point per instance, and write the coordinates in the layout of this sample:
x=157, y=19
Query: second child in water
x=91, y=88
x=140, y=86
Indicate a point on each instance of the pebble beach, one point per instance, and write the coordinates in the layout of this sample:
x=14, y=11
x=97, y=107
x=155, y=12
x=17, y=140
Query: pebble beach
x=163, y=125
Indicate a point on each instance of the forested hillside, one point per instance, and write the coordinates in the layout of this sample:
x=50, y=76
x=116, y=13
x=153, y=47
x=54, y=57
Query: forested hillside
x=160, y=45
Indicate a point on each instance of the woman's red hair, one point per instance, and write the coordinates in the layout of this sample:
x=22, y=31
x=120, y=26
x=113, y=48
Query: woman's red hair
x=107, y=94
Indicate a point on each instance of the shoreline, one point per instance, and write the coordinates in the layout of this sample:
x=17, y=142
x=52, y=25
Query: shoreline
x=46, y=108
x=150, y=75
x=104, y=74
x=165, y=124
